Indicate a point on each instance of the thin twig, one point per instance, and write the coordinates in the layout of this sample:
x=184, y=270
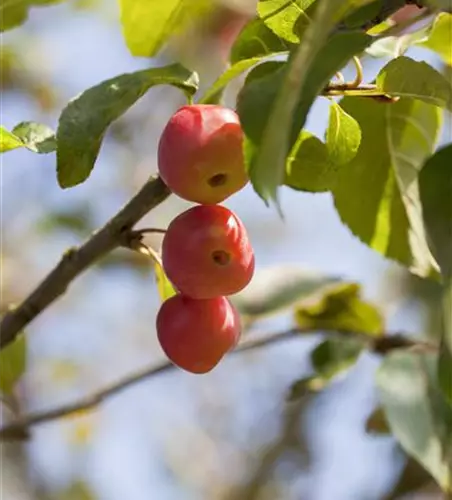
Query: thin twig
x=19, y=429
x=77, y=260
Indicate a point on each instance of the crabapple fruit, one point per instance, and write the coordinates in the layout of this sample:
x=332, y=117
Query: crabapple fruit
x=200, y=156
x=206, y=252
x=196, y=334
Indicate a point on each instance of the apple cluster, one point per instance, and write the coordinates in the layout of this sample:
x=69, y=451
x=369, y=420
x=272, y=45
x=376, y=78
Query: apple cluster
x=206, y=253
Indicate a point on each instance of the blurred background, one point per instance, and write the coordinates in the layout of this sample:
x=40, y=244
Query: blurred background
x=231, y=434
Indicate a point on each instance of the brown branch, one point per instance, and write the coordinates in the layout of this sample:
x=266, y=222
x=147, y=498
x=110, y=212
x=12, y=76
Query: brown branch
x=77, y=260
x=19, y=429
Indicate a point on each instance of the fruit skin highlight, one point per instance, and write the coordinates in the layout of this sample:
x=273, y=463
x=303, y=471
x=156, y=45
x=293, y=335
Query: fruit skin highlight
x=200, y=155
x=206, y=252
x=196, y=334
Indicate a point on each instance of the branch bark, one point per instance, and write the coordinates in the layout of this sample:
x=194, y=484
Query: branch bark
x=77, y=260
x=20, y=428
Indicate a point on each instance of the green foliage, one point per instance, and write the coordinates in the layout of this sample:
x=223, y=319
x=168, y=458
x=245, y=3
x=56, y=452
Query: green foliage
x=164, y=286
x=257, y=40
x=404, y=77
x=273, y=109
x=435, y=184
x=277, y=289
x=148, y=24
x=343, y=136
x=83, y=122
x=439, y=39
x=13, y=359
x=286, y=18
x=341, y=309
x=8, y=141
x=13, y=13
x=416, y=412
x=334, y=356
x=308, y=166
x=313, y=165
x=376, y=194
x=33, y=136
x=411, y=480
x=214, y=93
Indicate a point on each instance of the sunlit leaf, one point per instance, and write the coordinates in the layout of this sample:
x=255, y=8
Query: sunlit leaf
x=376, y=194
x=213, y=94
x=36, y=136
x=148, y=24
x=342, y=309
x=286, y=18
x=308, y=166
x=273, y=109
x=439, y=39
x=8, y=141
x=164, y=285
x=405, y=77
x=343, y=136
x=84, y=121
x=257, y=40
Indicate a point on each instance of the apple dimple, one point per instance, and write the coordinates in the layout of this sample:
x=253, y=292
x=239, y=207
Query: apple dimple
x=200, y=154
x=206, y=252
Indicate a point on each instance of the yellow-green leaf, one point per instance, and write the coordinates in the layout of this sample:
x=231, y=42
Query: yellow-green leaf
x=12, y=364
x=440, y=38
x=9, y=141
x=148, y=24
x=164, y=285
x=341, y=308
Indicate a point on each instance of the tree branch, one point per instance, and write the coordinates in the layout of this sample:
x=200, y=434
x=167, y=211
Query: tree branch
x=77, y=260
x=19, y=429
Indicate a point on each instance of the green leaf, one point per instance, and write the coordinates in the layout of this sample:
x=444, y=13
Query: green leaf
x=278, y=288
x=273, y=109
x=164, y=285
x=341, y=309
x=395, y=46
x=343, y=136
x=13, y=360
x=13, y=13
x=435, y=184
x=439, y=39
x=308, y=166
x=83, y=122
x=257, y=40
x=417, y=415
x=213, y=94
x=334, y=356
x=376, y=194
x=286, y=18
x=33, y=136
x=148, y=24
x=8, y=141
x=377, y=423
x=313, y=165
x=405, y=77
x=36, y=137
